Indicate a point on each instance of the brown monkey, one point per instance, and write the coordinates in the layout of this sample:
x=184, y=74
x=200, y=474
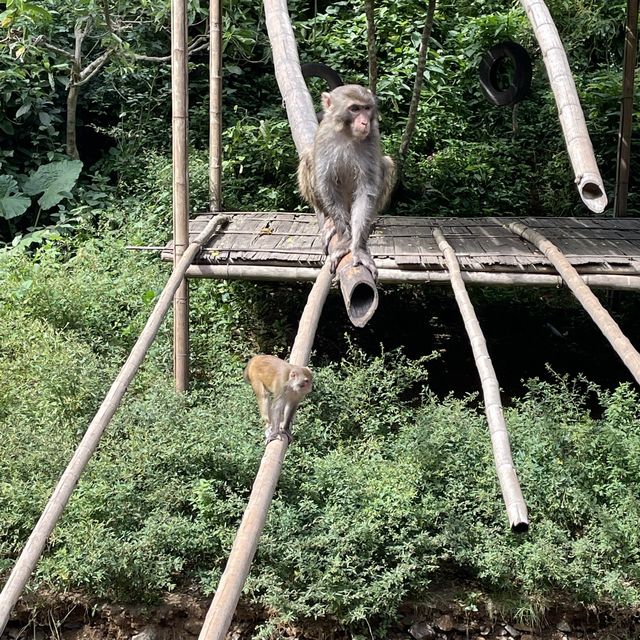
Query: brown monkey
x=344, y=175
x=279, y=388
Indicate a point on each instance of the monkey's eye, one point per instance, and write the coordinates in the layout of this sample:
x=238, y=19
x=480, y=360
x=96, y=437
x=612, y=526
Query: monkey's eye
x=354, y=108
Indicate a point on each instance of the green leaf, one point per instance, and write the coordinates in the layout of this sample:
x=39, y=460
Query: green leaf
x=54, y=180
x=12, y=203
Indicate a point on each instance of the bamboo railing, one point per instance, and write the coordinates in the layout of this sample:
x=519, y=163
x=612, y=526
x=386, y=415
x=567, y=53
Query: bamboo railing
x=32, y=551
x=574, y=127
x=585, y=296
x=507, y=477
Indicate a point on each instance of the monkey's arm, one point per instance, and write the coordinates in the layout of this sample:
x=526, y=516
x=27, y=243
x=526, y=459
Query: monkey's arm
x=363, y=213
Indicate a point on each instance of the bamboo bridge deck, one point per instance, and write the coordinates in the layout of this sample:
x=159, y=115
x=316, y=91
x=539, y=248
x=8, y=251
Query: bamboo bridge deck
x=286, y=246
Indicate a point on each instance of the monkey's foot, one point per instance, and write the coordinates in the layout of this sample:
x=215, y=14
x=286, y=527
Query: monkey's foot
x=277, y=434
x=361, y=256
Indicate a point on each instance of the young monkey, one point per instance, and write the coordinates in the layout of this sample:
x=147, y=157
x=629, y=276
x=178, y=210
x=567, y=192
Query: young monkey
x=279, y=388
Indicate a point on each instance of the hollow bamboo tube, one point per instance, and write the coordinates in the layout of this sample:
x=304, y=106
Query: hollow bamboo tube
x=585, y=296
x=507, y=477
x=574, y=127
x=32, y=551
x=180, y=141
x=626, y=112
x=215, y=105
x=226, y=598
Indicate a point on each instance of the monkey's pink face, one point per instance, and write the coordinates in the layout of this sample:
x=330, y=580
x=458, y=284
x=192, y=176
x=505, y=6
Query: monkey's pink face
x=361, y=122
x=300, y=382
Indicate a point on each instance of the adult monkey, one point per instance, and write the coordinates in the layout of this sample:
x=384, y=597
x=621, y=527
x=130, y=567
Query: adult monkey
x=344, y=175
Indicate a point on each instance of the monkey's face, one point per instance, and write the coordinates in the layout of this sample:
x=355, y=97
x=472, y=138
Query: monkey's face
x=360, y=120
x=300, y=380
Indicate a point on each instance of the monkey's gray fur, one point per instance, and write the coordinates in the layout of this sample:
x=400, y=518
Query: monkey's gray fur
x=344, y=175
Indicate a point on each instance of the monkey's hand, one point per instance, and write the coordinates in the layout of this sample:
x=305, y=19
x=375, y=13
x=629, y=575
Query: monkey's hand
x=362, y=256
x=338, y=252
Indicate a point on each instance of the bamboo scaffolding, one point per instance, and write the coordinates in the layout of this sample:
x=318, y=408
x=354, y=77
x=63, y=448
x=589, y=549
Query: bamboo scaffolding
x=215, y=106
x=226, y=598
x=399, y=276
x=180, y=142
x=609, y=327
x=507, y=477
x=574, y=128
x=626, y=112
x=32, y=551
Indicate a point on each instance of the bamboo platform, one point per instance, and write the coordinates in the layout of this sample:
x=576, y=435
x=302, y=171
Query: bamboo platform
x=286, y=246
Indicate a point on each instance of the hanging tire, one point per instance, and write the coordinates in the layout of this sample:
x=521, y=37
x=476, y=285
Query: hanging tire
x=319, y=70
x=489, y=69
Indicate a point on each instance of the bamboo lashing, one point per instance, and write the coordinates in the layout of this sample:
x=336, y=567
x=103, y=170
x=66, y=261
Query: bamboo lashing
x=574, y=127
x=32, y=551
x=609, y=327
x=507, y=477
x=228, y=593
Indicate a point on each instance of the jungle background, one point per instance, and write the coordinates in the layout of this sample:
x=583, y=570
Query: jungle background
x=389, y=491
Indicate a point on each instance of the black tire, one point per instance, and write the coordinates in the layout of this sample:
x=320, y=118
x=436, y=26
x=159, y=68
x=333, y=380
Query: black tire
x=319, y=70
x=490, y=66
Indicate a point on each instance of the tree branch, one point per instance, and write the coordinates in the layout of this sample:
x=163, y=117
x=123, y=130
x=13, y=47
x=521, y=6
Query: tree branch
x=417, y=87
x=371, y=45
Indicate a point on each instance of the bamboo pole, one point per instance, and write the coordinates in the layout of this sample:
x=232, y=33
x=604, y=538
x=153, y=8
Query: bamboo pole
x=180, y=141
x=507, y=477
x=226, y=598
x=215, y=106
x=286, y=62
x=585, y=296
x=401, y=276
x=574, y=128
x=626, y=112
x=32, y=551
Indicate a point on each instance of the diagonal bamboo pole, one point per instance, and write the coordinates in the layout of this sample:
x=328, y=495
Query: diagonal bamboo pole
x=585, y=296
x=226, y=598
x=507, y=477
x=574, y=127
x=32, y=551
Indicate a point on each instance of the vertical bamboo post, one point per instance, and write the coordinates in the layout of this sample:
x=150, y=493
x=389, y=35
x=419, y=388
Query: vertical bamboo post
x=235, y=574
x=574, y=127
x=609, y=327
x=626, y=112
x=180, y=142
x=507, y=477
x=32, y=551
x=215, y=106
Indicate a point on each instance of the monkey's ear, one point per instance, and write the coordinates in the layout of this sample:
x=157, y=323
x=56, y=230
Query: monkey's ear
x=326, y=101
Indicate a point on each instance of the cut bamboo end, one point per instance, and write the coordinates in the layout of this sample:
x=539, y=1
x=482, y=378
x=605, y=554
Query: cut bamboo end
x=358, y=290
x=591, y=190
